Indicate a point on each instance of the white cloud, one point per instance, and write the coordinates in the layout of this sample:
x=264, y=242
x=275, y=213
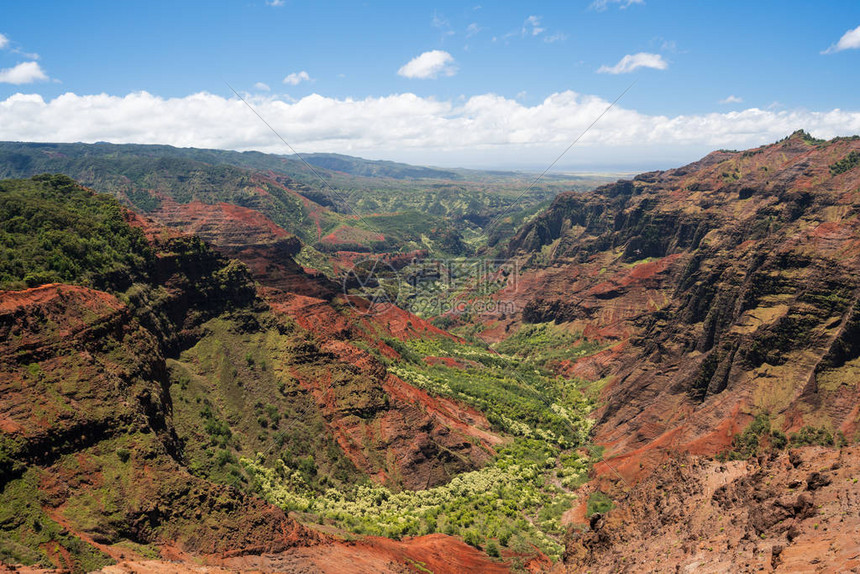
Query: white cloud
x=531, y=27
x=732, y=100
x=429, y=65
x=483, y=130
x=631, y=62
x=6, y=43
x=472, y=29
x=24, y=73
x=297, y=78
x=275, y=3
x=263, y=87
x=850, y=40
x=601, y=5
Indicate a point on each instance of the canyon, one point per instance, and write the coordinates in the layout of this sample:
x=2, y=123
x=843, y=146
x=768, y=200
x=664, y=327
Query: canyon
x=684, y=348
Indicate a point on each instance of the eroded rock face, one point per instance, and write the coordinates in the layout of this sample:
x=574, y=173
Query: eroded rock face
x=87, y=434
x=721, y=289
x=696, y=515
x=389, y=429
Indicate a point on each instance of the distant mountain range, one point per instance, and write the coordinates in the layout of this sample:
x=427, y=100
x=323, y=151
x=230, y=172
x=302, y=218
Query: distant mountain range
x=342, y=204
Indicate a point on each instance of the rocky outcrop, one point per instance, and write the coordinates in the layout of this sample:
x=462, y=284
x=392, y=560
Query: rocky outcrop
x=792, y=512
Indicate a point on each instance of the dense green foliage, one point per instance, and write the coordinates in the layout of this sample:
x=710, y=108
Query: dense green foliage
x=747, y=443
x=515, y=397
x=810, y=435
x=850, y=161
x=53, y=230
x=514, y=502
x=546, y=343
x=805, y=136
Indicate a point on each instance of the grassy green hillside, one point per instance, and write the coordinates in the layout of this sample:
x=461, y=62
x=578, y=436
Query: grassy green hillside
x=53, y=230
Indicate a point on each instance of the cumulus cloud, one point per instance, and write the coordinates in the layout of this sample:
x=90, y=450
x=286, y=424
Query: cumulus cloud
x=24, y=73
x=632, y=62
x=262, y=87
x=297, y=78
x=850, y=40
x=601, y=5
x=429, y=65
x=483, y=130
x=732, y=100
x=4, y=42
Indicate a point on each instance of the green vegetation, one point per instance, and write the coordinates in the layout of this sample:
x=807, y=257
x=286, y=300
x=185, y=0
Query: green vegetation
x=311, y=258
x=29, y=536
x=515, y=396
x=53, y=230
x=598, y=502
x=805, y=137
x=850, y=161
x=810, y=435
x=234, y=395
x=759, y=437
x=747, y=443
x=546, y=344
x=515, y=502
x=239, y=402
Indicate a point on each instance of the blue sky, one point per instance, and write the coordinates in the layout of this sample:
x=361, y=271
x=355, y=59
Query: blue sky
x=499, y=84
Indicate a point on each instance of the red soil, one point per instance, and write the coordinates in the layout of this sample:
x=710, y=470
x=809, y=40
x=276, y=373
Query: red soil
x=371, y=555
x=221, y=224
x=53, y=313
x=11, y=301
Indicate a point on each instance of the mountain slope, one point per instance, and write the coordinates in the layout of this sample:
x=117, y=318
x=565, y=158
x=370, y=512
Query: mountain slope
x=125, y=412
x=720, y=303
x=85, y=402
x=727, y=288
